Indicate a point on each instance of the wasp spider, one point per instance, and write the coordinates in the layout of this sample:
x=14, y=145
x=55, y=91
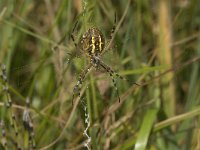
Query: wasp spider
x=92, y=44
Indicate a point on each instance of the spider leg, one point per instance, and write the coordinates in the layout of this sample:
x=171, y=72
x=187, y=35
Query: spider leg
x=79, y=83
x=114, y=27
x=72, y=34
x=111, y=73
x=108, y=44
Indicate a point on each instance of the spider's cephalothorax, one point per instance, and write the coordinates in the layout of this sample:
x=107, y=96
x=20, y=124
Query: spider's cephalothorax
x=92, y=42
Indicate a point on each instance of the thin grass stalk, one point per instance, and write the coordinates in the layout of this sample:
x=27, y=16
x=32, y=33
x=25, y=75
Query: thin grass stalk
x=164, y=54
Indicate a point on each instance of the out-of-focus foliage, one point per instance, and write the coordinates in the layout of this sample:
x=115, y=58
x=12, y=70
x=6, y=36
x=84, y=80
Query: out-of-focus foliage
x=156, y=44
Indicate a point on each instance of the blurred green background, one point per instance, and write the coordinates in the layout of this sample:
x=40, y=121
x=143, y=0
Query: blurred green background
x=156, y=44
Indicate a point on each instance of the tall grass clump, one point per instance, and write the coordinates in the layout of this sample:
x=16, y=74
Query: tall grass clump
x=156, y=44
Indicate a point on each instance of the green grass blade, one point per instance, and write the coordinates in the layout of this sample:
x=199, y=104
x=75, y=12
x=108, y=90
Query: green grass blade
x=145, y=130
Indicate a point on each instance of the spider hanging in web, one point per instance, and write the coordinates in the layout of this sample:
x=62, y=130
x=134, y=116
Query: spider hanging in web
x=92, y=44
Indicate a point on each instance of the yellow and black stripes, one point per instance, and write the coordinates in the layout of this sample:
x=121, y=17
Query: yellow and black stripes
x=96, y=45
x=92, y=42
x=93, y=45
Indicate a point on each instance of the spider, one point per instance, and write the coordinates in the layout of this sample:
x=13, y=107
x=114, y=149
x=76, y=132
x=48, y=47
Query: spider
x=92, y=44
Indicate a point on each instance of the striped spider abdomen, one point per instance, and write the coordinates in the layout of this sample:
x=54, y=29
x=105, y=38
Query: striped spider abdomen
x=92, y=42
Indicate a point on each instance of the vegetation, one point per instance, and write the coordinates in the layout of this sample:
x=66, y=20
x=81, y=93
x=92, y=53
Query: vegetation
x=156, y=44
